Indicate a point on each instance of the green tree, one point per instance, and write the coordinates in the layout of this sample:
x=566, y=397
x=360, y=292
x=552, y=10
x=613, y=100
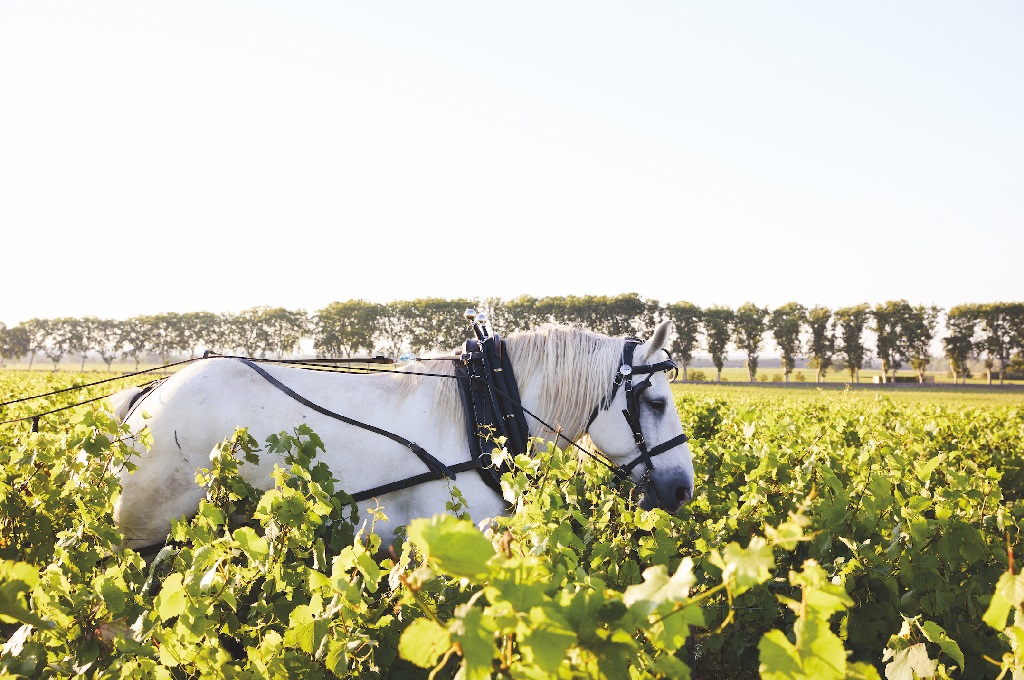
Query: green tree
x=218, y=334
x=686, y=317
x=248, y=334
x=438, y=325
x=748, y=330
x=920, y=332
x=163, y=335
x=393, y=329
x=199, y=329
x=626, y=315
x=786, y=323
x=134, y=338
x=1000, y=323
x=890, y=324
x=284, y=329
x=426, y=324
x=822, y=342
x=61, y=339
x=718, y=324
x=38, y=330
x=84, y=336
x=14, y=342
x=342, y=329
x=851, y=322
x=107, y=339
x=555, y=308
x=960, y=343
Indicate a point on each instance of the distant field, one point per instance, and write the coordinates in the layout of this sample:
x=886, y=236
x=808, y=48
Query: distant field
x=807, y=375
x=864, y=393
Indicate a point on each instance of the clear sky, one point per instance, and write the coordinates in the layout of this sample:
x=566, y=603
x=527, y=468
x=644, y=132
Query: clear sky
x=214, y=156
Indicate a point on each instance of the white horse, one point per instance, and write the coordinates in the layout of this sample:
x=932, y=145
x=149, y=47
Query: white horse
x=564, y=375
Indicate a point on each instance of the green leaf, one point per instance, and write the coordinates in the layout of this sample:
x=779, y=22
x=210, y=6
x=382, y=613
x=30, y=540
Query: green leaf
x=370, y=570
x=925, y=471
x=1009, y=594
x=453, y=546
x=821, y=650
x=16, y=579
x=305, y=631
x=112, y=593
x=423, y=642
x=778, y=657
x=937, y=634
x=745, y=567
x=475, y=636
x=546, y=639
x=254, y=546
x=913, y=659
x=171, y=601
x=658, y=588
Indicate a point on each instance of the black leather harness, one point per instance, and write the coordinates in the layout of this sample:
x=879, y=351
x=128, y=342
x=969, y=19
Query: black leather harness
x=492, y=404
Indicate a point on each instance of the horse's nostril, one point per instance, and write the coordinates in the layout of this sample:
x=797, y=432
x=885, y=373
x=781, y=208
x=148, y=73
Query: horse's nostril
x=683, y=494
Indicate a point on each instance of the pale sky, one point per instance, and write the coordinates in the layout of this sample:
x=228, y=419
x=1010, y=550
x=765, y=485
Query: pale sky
x=215, y=156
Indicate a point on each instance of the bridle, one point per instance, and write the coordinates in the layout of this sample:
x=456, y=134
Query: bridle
x=631, y=413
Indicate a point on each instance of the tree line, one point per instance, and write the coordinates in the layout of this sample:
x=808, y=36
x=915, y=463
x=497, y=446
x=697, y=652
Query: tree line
x=903, y=334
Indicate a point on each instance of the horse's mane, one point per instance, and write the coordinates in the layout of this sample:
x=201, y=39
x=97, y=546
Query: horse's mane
x=573, y=369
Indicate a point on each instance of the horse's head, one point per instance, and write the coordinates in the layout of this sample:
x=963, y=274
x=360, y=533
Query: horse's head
x=639, y=427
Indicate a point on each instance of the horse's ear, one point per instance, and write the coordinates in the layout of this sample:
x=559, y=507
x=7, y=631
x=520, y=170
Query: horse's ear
x=659, y=340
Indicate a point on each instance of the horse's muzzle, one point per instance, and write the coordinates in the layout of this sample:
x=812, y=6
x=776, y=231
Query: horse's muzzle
x=668, y=499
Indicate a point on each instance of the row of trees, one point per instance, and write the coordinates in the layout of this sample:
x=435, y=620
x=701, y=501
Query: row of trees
x=341, y=329
x=903, y=334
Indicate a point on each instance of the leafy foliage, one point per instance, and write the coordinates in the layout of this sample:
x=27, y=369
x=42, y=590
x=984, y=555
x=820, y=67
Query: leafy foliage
x=826, y=539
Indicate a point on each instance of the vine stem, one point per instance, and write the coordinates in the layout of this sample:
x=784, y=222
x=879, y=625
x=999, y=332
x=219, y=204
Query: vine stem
x=420, y=602
x=700, y=598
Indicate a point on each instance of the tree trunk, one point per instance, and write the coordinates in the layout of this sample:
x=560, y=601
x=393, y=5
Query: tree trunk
x=719, y=378
x=684, y=372
x=31, y=358
x=787, y=376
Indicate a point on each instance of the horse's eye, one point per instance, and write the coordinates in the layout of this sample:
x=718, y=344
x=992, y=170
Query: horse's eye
x=657, y=404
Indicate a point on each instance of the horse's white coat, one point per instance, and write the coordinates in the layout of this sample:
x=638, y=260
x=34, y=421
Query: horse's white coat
x=562, y=373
